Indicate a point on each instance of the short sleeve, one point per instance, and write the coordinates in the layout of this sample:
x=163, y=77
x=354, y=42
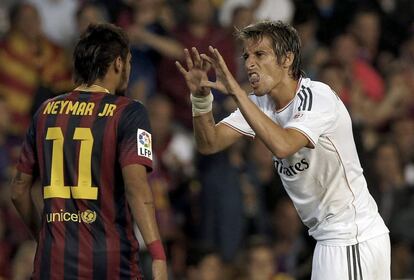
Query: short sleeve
x=28, y=161
x=134, y=137
x=316, y=119
x=237, y=122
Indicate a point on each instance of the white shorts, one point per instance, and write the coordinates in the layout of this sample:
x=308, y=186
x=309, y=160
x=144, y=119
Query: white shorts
x=368, y=260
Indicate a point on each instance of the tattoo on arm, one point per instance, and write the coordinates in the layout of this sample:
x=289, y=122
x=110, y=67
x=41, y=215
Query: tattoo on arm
x=149, y=203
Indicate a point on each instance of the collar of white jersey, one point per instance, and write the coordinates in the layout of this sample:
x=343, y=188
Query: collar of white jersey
x=91, y=88
x=296, y=93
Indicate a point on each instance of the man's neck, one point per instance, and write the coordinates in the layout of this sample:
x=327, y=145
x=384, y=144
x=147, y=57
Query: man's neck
x=107, y=85
x=284, y=92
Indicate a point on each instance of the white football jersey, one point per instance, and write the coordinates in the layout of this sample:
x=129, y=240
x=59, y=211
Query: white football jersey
x=325, y=183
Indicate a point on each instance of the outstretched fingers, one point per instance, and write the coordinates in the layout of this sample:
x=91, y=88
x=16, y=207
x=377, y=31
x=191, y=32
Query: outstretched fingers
x=188, y=59
x=207, y=59
x=219, y=60
x=196, y=57
x=181, y=68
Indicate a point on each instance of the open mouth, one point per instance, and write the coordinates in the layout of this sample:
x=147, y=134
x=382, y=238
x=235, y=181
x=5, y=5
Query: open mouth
x=254, y=79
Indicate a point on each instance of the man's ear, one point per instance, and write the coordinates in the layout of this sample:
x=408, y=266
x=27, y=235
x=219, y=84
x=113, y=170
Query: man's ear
x=287, y=62
x=118, y=64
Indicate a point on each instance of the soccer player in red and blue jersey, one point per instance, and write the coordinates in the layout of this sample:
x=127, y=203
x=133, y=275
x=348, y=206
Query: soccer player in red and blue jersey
x=91, y=150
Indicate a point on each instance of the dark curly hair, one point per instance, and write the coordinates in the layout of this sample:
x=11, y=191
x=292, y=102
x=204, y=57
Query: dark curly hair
x=96, y=49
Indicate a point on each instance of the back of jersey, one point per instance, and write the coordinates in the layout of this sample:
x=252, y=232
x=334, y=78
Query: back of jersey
x=78, y=144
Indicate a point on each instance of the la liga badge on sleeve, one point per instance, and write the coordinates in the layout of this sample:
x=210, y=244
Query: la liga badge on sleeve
x=144, y=143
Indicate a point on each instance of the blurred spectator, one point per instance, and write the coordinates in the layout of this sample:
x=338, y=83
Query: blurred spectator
x=333, y=17
x=223, y=220
x=345, y=51
x=29, y=64
x=261, y=187
x=402, y=131
x=388, y=186
x=292, y=251
x=264, y=9
x=365, y=111
x=22, y=265
x=173, y=166
x=259, y=263
x=402, y=265
x=313, y=54
x=204, y=263
x=5, y=249
x=198, y=31
x=150, y=41
x=395, y=199
x=173, y=146
x=366, y=28
x=4, y=147
x=88, y=13
x=58, y=19
x=4, y=9
x=242, y=16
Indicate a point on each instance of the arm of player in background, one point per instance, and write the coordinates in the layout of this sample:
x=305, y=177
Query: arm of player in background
x=141, y=202
x=211, y=138
x=22, y=199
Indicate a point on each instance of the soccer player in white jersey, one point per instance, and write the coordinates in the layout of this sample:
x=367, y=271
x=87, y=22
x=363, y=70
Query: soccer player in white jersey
x=308, y=129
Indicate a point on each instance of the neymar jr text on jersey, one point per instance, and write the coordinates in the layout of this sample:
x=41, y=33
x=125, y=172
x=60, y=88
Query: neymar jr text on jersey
x=78, y=108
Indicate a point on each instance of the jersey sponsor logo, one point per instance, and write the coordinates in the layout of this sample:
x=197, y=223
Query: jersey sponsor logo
x=306, y=99
x=87, y=216
x=144, y=143
x=291, y=170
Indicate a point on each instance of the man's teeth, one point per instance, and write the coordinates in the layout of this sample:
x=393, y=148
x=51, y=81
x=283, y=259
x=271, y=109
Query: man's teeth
x=254, y=78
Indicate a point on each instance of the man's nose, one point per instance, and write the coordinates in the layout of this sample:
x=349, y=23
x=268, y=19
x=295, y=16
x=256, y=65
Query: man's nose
x=250, y=63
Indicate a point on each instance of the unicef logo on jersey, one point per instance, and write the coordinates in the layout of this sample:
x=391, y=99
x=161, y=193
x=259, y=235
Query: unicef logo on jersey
x=291, y=170
x=87, y=216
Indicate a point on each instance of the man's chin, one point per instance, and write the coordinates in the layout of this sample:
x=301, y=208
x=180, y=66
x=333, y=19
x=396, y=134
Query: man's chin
x=258, y=92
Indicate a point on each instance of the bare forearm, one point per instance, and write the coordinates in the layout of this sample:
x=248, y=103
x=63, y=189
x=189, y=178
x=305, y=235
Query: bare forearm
x=22, y=200
x=143, y=210
x=164, y=45
x=205, y=133
x=28, y=213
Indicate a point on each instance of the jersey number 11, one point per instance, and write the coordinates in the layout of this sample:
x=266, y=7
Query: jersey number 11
x=57, y=188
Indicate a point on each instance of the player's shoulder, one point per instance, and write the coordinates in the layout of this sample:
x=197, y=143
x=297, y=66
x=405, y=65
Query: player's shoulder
x=132, y=104
x=315, y=86
x=320, y=92
x=130, y=109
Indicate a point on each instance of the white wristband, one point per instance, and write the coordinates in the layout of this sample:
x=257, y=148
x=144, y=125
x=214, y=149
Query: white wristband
x=201, y=105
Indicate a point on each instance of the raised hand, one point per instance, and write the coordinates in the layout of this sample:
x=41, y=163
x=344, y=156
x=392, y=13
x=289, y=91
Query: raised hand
x=196, y=74
x=225, y=82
